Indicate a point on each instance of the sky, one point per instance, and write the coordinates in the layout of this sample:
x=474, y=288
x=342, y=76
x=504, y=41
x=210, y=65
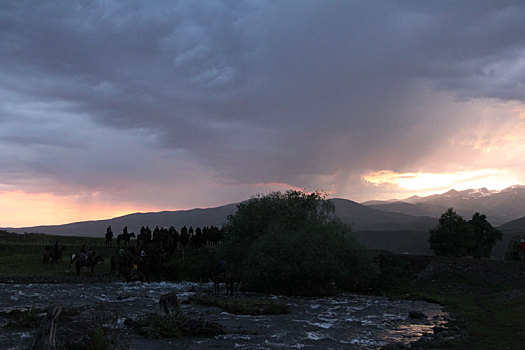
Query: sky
x=113, y=107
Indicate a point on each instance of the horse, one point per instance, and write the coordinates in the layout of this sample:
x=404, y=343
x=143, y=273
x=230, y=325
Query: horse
x=90, y=262
x=52, y=255
x=226, y=278
x=74, y=256
x=125, y=237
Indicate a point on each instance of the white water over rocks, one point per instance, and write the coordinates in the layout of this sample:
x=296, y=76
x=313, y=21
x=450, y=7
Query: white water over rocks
x=343, y=322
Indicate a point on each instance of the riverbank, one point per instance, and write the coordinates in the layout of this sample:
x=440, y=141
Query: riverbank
x=485, y=297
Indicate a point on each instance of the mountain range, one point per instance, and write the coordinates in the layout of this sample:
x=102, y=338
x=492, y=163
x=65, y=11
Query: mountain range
x=499, y=206
x=396, y=225
x=413, y=213
x=360, y=217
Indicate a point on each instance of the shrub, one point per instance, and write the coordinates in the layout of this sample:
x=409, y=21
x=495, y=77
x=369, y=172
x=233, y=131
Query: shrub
x=97, y=339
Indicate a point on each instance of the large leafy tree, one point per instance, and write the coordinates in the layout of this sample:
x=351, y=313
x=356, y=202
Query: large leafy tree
x=485, y=236
x=454, y=236
x=293, y=243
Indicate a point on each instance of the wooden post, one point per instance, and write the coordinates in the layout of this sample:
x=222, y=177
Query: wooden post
x=46, y=338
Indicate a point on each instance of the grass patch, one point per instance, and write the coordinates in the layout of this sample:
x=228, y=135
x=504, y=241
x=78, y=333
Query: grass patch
x=241, y=306
x=489, y=306
x=22, y=255
x=489, y=323
x=155, y=325
x=97, y=340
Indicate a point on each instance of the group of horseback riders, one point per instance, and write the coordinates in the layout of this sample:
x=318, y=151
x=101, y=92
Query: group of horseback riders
x=170, y=239
x=53, y=254
x=152, y=249
x=138, y=259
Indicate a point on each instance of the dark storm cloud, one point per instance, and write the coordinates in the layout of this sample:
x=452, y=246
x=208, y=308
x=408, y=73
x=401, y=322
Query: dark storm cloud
x=253, y=91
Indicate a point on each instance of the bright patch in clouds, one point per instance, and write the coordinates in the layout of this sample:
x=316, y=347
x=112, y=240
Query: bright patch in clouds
x=428, y=183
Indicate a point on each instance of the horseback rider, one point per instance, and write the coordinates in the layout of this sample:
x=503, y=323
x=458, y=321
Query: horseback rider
x=83, y=252
x=184, y=237
x=90, y=253
x=109, y=236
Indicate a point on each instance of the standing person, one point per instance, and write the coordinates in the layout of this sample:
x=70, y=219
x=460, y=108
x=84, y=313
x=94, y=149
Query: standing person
x=522, y=249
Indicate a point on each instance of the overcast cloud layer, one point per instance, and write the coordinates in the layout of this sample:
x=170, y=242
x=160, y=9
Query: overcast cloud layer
x=166, y=104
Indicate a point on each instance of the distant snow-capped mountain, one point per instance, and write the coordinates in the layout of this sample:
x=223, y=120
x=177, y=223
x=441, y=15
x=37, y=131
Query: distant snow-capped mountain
x=467, y=194
x=500, y=206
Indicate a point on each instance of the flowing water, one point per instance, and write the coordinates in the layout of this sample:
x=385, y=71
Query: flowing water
x=346, y=321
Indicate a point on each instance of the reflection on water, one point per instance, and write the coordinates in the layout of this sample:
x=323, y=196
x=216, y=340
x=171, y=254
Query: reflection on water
x=342, y=322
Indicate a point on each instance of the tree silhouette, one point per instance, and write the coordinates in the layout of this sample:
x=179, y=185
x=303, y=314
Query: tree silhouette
x=293, y=243
x=485, y=236
x=454, y=236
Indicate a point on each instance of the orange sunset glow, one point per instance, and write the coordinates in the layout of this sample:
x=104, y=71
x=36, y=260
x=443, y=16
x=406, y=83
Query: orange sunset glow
x=19, y=209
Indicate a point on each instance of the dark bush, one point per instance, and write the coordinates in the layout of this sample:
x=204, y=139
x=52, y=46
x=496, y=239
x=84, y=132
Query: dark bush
x=292, y=243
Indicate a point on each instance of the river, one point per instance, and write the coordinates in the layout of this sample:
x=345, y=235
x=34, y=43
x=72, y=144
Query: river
x=346, y=321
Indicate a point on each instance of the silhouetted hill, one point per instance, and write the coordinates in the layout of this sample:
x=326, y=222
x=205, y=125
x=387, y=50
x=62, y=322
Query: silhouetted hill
x=516, y=226
x=357, y=215
x=194, y=217
x=418, y=209
x=363, y=218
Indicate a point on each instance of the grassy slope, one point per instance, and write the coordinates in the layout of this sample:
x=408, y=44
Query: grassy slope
x=22, y=255
x=487, y=296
